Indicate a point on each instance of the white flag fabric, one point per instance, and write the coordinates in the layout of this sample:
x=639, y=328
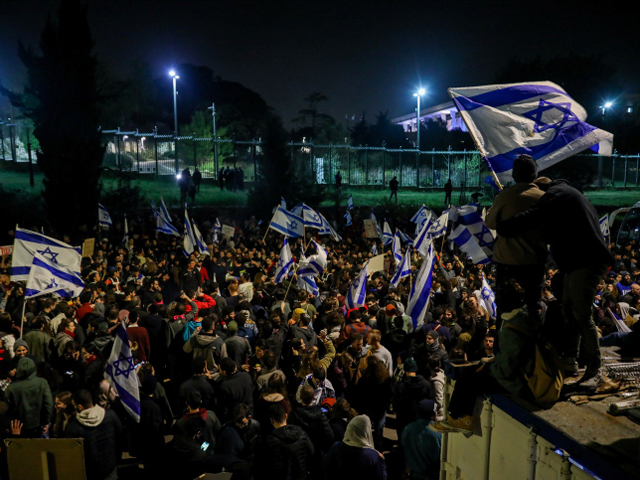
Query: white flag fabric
x=403, y=269
x=397, y=247
x=284, y=262
x=347, y=216
x=104, y=219
x=604, y=226
x=350, y=202
x=469, y=217
x=202, y=245
x=48, y=277
x=422, y=240
x=121, y=374
x=189, y=243
x=327, y=229
x=154, y=209
x=283, y=203
x=489, y=297
x=163, y=211
x=421, y=289
x=308, y=284
x=468, y=243
x=162, y=226
x=357, y=293
x=217, y=228
x=311, y=217
x=535, y=118
x=422, y=216
x=315, y=264
x=439, y=227
x=387, y=236
x=373, y=217
x=27, y=243
x=287, y=223
x=125, y=237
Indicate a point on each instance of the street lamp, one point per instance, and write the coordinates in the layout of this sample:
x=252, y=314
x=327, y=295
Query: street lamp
x=418, y=95
x=175, y=114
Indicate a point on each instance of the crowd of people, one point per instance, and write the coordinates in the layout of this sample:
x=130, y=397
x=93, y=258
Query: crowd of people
x=268, y=381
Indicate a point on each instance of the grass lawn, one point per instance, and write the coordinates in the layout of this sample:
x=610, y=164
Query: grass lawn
x=210, y=194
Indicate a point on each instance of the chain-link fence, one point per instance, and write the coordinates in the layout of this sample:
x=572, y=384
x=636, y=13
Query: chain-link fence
x=17, y=142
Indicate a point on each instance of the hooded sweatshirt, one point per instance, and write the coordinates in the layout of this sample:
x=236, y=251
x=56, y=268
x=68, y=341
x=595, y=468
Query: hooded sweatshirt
x=208, y=345
x=29, y=396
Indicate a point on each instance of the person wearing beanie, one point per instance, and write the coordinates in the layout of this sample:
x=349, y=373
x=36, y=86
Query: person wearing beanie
x=520, y=258
x=434, y=347
x=238, y=348
x=421, y=444
x=407, y=394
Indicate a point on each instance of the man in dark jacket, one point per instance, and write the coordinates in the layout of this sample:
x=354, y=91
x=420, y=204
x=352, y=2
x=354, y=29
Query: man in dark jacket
x=288, y=449
x=303, y=331
x=313, y=421
x=100, y=430
x=570, y=225
x=207, y=345
x=200, y=381
x=408, y=393
x=234, y=387
x=29, y=399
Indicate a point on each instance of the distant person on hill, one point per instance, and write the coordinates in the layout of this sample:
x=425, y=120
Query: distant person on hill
x=393, y=186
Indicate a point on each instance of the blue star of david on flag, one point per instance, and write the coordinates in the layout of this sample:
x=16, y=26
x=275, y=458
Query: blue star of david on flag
x=543, y=107
x=124, y=371
x=293, y=225
x=47, y=251
x=53, y=284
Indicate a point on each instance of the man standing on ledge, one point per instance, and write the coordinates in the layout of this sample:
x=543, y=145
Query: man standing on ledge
x=569, y=224
x=393, y=186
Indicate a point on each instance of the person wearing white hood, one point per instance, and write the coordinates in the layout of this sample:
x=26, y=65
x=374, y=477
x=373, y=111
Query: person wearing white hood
x=100, y=430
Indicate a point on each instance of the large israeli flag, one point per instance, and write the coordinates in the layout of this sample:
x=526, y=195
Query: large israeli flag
x=469, y=217
x=403, y=269
x=189, y=243
x=315, y=264
x=423, y=239
x=284, y=262
x=536, y=118
x=104, y=219
x=311, y=217
x=27, y=243
x=422, y=216
x=387, y=236
x=439, y=227
x=357, y=293
x=421, y=289
x=308, y=284
x=488, y=297
x=202, y=245
x=121, y=374
x=48, y=277
x=162, y=226
x=327, y=229
x=468, y=243
x=604, y=226
x=287, y=223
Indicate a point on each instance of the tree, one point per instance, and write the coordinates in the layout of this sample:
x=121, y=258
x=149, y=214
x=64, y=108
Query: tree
x=61, y=98
x=387, y=133
x=311, y=119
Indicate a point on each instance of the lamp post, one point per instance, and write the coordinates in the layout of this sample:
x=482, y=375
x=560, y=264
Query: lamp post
x=175, y=116
x=418, y=95
x=215, y=140
x=604, y=108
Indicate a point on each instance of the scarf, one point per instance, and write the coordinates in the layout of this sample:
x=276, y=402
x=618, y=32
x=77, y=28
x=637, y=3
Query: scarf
x=358, y=433
x=71, y=334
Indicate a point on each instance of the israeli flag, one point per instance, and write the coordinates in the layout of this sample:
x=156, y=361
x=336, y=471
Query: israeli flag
x=374, y=250
x=287, y=223
x=397, y=247
x=284, y=262
x=311, y=217
x=283, y=203
x=327, y=229
x=162, y=226
x=163, y=211
x=298, y=210
x=423, y=239
x=472, y=220
x=217, y=228
x=387, y=236
x=315, y=264
x=121, y=373
x=189, y=243
x=48, y=277
x=488, y=297
x=403, y=269
x=405, y=238
x=421, y=289
x=468, y=243
x=537, y=118
x=439, y=227
x=125, y=237
x=421, y=217
x=620, y=325
x=202, y=245
x=350, y=202
x=154, y=209
x=104, y=219
x=373, y=217
x=358, y=291
x=347, y=216
x=604, y=226
x=308, y=284
x=27, y=243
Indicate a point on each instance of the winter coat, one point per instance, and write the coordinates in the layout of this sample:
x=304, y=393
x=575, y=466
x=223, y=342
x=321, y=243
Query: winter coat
x=313, y=421
x=29, y=397
x=344, y=462
x=208, y=345
x=39, y=343
x=307, y=335
x=232, y=390
x=289, y=451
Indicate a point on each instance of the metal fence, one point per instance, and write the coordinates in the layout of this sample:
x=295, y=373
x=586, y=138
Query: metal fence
x=156, y=154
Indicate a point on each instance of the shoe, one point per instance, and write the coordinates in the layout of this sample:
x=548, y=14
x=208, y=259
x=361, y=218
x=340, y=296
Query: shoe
x=463, y=425
x=570, y=367
x=591, y=380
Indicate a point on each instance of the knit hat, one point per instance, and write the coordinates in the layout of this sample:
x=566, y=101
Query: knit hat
x=525, y=169
x=433, y=334
x=20, y=343
x=410, y=365
x=427, y=408
x=232, y=327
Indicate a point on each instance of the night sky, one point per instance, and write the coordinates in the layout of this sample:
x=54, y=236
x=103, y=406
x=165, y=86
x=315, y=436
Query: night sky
x=363, y=55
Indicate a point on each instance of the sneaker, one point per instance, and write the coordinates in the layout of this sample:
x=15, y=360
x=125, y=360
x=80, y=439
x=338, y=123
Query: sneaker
x=570, y=367
x=591, y=380
x=463, y=425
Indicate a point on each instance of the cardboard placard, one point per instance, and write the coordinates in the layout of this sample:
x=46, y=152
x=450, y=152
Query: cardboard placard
x=376, y=264
x=88, y=246
x=370, y=228
x=228, y=231
x=6, y=250
x=30, y=458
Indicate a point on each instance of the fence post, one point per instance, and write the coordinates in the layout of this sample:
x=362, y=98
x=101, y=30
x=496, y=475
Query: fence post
x=2, y=140
x=418, y=166
x=400, y=166
x=118, y=158
x=433, y=168
x=137, y=153
x=637, y=165
x=449, y=164
x=12, y=132
x=626, y=164
x=366, y=163
x=255, y=162
x=349, y=164
x=329, y=180
x=465, y=169
x=31, y=182
x=195, y=155
x=155, y=148
x=384, y=158
x=613, y=171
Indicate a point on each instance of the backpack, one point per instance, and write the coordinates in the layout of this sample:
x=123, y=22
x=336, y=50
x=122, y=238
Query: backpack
x=546, y=377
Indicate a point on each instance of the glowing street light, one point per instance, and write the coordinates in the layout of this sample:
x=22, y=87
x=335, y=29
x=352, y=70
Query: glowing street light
x=418, y=95
x=173, y=74
x=605, y=107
